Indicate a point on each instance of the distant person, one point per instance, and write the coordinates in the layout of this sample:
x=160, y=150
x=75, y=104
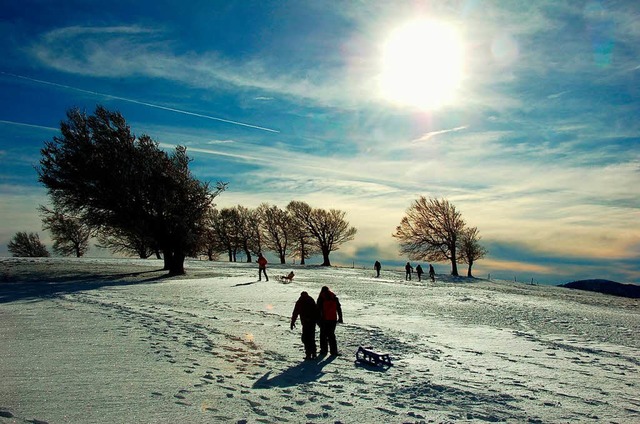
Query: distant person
x=307, y=310
x=419, y=272
x=262, y=267
x=432, y=273
x=408, y=269
x=330, y=315
x=377, y=267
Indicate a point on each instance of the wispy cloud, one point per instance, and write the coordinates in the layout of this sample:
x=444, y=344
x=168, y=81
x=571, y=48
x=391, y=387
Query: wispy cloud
x=152, y=105
x=220, y=142
x=432, y=134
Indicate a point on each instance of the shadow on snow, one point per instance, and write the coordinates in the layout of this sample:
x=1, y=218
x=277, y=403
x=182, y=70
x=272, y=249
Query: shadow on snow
x=305, y=372
x=40, y=287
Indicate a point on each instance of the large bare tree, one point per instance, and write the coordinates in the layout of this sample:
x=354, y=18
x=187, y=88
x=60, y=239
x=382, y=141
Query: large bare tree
x=430, y=231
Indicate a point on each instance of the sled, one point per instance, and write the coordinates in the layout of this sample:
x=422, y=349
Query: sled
x=287, y=278
x=368, y=356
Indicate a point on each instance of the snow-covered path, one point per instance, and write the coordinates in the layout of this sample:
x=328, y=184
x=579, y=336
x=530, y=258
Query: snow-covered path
x=219, y=349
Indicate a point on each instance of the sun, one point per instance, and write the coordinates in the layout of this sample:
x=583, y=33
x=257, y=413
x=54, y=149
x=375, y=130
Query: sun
x=422, y=65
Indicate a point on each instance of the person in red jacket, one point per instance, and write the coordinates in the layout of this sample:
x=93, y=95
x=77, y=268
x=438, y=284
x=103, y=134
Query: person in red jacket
x=262, y=267
x=308, y=312
x=330, y=314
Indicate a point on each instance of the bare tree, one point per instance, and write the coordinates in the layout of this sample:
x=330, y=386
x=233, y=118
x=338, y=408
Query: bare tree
x=330, y=230
x=70, y=235
x=430, y=231
x=302, y=243
x=470, y=249
x=276, y=229
x=210, y=245
x=27, y=245
x=248, y=230
x=224, y=227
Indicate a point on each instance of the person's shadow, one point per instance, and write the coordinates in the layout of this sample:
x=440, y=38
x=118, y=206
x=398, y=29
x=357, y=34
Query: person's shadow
x=304, y=372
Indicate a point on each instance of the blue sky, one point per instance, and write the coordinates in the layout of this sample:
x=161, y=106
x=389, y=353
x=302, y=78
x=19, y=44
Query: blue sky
x=527, y=121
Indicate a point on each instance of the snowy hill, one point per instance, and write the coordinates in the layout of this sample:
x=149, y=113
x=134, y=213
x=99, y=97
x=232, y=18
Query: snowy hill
x=116, y=341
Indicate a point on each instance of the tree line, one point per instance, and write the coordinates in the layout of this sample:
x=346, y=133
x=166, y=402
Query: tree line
x=136, y=199
x=104, y=181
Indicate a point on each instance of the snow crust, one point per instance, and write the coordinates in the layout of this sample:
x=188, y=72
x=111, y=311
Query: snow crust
x=116, y=341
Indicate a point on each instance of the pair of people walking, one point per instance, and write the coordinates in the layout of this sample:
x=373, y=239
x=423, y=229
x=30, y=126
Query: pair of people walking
x=327, y=313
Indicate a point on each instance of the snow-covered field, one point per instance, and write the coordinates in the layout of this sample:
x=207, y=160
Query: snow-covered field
x=114, y=341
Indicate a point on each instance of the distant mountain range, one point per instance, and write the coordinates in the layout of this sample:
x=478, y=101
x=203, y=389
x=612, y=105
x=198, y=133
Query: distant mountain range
x=607, y=287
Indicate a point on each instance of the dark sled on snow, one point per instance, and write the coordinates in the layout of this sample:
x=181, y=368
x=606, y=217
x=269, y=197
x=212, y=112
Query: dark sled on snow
x=366, y=355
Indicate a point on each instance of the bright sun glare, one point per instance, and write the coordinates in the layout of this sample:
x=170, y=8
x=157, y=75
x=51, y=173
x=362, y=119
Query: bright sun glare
x=422, y=65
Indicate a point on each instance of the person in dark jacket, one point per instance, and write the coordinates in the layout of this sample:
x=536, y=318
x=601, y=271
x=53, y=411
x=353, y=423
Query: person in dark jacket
x=419, y=272
x=432, y=273
x=377, y=267
x=307, y=310
x=408, y=269
x=330, y=315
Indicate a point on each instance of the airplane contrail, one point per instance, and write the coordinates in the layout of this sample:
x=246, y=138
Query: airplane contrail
x=170, y=109
x=22, y=124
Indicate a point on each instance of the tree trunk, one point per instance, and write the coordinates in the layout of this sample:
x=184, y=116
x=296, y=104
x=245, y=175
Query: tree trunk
x=469, y=269
x=176, y=266
x=454, y=264
x=282, y=258
x=168, y=256
x=454, y=268
x=302, y=252
x=325, y=257
x=174, y=262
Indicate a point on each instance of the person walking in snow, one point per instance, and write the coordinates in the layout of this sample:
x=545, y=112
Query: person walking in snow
x=408, y=269
x=432, y=273
x=419, y=272
x=307, y=310
x=377, y=267
x=330, y=315
x=262, y=267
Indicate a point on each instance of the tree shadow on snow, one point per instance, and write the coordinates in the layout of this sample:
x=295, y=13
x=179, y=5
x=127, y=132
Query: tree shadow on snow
x=37, y=287
x=304, y=372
